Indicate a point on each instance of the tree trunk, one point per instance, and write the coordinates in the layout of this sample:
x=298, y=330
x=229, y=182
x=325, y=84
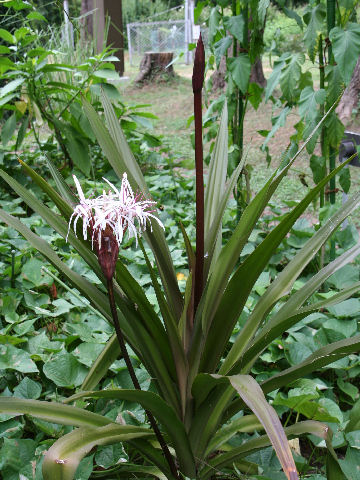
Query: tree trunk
x=257, y=73
x=153, y=67
x=87, y=6
x=350, y=98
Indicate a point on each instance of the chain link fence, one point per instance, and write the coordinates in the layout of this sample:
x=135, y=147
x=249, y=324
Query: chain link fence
x=165, y=36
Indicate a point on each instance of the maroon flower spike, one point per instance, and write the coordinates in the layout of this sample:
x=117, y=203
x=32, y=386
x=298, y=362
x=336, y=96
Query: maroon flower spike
x=197, y=82
x=199, y=67
x=108, y=253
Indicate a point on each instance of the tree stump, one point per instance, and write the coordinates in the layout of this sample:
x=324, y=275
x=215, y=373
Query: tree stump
x=153, y=67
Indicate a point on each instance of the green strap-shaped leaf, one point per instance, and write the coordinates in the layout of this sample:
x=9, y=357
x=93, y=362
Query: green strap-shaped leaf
x=93, y=294
x=178, y=354
x=149, y=335
x=270, y=332
x=243, y=280
x=215, y=185
x=212, y=243
x=226, y=459
x=246, y=424
x=53, y=412
x=284, y=281
x=121, y=163
x=320, y=358
x=63, y=457
x=163, y=413
x=61, y=185
x=230, y=253
x=102, y=364
x=251, y=393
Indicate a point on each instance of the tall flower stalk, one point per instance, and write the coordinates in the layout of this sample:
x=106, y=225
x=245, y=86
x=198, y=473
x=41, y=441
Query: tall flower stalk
x=107, y=219
x=197, y=84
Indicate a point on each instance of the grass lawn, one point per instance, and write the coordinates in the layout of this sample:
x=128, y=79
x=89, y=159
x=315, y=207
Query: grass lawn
x=172, y=103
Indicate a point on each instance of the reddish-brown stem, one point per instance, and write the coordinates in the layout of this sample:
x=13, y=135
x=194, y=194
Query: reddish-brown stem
x=197, y=82
x=135, y=381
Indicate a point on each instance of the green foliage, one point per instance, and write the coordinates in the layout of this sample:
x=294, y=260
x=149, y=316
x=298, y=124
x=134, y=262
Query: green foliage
x=68, y=343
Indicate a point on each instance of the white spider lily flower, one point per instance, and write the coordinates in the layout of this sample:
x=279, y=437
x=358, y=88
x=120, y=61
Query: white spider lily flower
x=118, y=211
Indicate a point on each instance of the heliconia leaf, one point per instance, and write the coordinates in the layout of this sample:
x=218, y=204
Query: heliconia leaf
x=63, y=457
x=162, y=412
x=228, y=458
x=53, y=412
x=251, y=393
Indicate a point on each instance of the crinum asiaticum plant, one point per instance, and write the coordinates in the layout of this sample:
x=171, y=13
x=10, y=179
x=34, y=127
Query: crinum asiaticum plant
x=200, y=383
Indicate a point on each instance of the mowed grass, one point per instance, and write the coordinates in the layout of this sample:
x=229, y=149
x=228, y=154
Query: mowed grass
x=172, y=102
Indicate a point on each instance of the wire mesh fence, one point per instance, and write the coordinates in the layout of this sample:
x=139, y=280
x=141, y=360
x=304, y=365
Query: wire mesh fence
x=162, y=36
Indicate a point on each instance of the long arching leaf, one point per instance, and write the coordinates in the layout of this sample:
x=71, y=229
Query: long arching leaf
x=63, y=457
x=162, y=412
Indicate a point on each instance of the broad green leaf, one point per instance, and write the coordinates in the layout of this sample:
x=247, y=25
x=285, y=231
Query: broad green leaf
x=8, y=129
x=251, y=393
x=53, y=412
x=162, y=412
x=318, y=167
x=5, y=35
x=275, y=75
x=12, y=358
x=27, y=388
x=262, y=10
x=290, y=76
x=346, y=48
x=11, y=86
x=63, y=457
x=309, y=101
x=240, y=67
x=345, y=180
x=221, y=47
x=36, y=16
x=314, y=19
x=214, y=20
x=235, y=25
x=65, y=370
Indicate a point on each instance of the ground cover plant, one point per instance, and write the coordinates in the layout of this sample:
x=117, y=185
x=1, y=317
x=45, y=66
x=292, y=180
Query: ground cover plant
x=188, y=418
